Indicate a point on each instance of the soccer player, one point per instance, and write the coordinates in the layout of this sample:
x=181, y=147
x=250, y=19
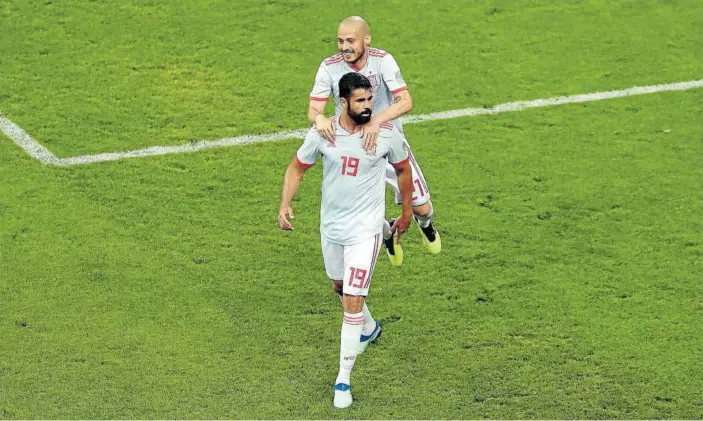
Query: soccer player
x=352, y=212
x=391, y=100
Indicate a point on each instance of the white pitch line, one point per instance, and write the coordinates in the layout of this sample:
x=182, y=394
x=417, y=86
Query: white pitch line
x=523, y=105
x=188, y=147
x=27, y=142
x=42, y=154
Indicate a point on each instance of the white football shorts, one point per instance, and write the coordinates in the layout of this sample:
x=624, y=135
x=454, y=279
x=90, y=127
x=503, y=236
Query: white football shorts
x=353, y=265
x=421, y=194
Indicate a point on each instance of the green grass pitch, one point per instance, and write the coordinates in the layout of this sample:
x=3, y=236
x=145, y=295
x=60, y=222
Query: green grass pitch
x=161, y=288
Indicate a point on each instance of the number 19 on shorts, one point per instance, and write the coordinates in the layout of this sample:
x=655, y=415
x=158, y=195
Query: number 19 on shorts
x=358, y=278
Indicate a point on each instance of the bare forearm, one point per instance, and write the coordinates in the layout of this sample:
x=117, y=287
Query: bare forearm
x=405, y=184
x=315, y=110
x=291, y=181
x=312, y=116
x=399, y=108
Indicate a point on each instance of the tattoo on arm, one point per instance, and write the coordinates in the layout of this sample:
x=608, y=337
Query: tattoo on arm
x=396, y=99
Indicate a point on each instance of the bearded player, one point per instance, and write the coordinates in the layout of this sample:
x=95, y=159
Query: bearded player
x=391, y=100
x=351, y=212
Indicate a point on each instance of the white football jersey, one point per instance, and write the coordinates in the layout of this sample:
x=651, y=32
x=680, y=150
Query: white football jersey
x=381, y=69
x=353, y=205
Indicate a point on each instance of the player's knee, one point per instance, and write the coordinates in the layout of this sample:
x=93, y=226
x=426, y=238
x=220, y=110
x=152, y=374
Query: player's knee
x=337, y=287
x=424, y=209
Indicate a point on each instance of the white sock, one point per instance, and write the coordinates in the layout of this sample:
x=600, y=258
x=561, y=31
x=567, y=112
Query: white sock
x=386, y=230
x=369, y=322
x=349, y=345
x=425, y=221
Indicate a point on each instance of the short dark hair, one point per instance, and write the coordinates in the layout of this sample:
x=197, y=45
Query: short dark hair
x=350, y=82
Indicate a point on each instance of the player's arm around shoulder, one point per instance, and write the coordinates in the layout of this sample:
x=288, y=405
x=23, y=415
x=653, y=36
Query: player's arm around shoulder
x=404, y=101
x=322, y=89
x=393, y=78
x=400, y=105
x=316, y=109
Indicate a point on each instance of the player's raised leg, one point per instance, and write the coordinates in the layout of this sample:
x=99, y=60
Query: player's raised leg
x=422, y=207
x=423, y=211
x=430, y=237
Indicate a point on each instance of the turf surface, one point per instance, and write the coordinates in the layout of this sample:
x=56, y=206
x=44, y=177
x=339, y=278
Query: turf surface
x=161, y=287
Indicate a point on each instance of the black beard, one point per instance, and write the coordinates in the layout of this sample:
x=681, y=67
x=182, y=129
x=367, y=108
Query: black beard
x=359, y=118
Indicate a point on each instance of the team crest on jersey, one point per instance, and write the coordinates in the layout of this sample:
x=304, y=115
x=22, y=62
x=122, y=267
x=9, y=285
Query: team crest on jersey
x=374, y=82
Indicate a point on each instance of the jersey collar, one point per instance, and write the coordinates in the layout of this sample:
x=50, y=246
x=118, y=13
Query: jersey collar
x=339, y=127
x=356, y=68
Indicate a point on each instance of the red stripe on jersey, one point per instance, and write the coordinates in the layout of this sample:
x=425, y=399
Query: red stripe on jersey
x=318, y=98
x=302, y=164
x=386, y=125
x=397, y=164
x=376, y=51
x=401, y=89
x=335, y=57
x=333, y=60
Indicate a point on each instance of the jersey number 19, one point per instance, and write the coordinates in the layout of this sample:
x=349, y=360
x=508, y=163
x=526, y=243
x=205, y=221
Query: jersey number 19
x=350, y=165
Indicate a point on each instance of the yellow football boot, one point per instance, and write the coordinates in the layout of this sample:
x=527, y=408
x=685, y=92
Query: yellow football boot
x=430, y=238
